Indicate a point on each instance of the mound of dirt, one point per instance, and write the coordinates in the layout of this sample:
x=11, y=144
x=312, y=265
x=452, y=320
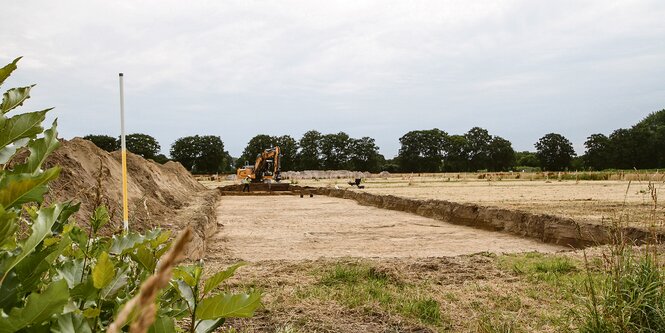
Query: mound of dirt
x=91, y=176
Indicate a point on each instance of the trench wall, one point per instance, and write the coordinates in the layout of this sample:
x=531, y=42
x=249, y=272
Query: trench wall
x=546, y=228
x=201, y=216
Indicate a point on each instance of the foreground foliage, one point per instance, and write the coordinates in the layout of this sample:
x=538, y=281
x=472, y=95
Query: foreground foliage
x=57, y=276
x=630, y=297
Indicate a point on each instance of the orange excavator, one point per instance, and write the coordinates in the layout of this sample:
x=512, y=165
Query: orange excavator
x=266, y=169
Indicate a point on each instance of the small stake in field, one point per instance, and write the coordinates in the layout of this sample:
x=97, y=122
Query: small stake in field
x=125, y=212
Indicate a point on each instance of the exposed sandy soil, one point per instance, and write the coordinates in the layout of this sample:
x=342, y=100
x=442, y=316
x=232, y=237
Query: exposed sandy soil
x=291, y=228
x=588, y=201
x=296, y=244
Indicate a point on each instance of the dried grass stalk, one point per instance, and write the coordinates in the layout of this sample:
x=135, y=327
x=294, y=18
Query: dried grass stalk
x=145, y=300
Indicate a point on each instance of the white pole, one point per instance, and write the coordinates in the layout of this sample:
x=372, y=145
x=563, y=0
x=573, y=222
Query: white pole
x=123, y=147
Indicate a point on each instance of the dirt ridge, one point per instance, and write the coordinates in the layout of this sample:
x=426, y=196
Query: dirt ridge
x=160, y=195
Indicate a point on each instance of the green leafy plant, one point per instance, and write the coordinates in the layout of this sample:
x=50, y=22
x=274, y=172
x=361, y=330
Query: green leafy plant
x=207, y=311
x=58, y=276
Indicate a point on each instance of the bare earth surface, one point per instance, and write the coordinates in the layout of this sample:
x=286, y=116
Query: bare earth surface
x=292, y=228
x=598, y=201
x=588, y=201
x=330, y=265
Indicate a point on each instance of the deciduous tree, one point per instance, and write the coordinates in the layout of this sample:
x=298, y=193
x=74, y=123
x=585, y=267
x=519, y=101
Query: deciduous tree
x=478, y=148
x=201, y=154
x=143, y=145
x=456, y=156
x=335, y=151
x=365, y=155
x=254, y=148
x=105, y=142
x=501, y=154
x=527, y=159
x=555, y=152
x=310, y=151
x=422, y=151
x=289, y=151
x=598, y=155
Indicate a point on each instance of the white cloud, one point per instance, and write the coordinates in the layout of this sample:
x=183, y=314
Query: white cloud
x=451, y=63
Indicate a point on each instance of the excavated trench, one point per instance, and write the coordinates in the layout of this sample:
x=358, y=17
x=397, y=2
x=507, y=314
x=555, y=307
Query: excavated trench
x=543, y=227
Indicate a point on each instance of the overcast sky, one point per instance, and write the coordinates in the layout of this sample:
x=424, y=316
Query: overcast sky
x=235, y=69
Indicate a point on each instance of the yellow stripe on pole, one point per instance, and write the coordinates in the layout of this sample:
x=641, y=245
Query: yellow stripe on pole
x=125, y=206
x=123, y=147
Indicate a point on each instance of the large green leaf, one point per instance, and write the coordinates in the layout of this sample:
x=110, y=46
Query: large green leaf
x=163, y=325
x=144, y=256
x=9, y=289
x=208, y=326
x=125, y=243
x=119, y=281
x=40, y=229
x=78, y=236
x=190, y=274
x=7, y=70
x=228, y=306
x=38, y=308
x=40, y=149
x=85, y=291
x=14, y=97
x=103, y=272
x=31, y=269
x=8, y=226
x=7, y=152
x=161, y=238
x=71, y=271
x=17, y=189
x=213, y=281
x=71, y=323
x=68, y=209
x=24, y=125
x=186, y=293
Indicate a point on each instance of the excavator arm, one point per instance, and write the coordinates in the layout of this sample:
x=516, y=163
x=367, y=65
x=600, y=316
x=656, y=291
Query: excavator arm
x=267, y=166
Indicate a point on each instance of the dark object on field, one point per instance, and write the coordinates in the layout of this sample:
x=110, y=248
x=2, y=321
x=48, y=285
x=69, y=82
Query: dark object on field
x=357, y=183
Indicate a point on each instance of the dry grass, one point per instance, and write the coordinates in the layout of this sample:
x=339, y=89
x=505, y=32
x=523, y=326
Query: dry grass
x=477, y=293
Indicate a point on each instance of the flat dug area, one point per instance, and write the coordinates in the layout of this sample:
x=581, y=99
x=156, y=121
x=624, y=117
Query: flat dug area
x=332, y=265
x=257, y=228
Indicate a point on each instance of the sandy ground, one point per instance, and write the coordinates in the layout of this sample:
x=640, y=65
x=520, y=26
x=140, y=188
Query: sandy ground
x=292, y=228
x=588, y=201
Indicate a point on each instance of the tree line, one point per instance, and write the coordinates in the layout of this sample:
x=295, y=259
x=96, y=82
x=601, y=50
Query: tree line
x=641, y=146
x=201, y=154
x=316, y=151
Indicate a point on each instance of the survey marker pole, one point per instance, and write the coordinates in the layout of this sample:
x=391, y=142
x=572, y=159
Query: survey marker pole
x=123, y=146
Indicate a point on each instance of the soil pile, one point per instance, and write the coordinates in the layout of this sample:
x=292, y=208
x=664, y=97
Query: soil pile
x=91, y=176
